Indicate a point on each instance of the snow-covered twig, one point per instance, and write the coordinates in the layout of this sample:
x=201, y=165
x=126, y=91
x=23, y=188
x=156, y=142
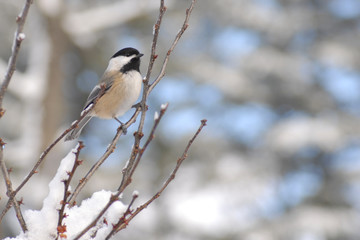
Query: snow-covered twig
x=67, y=182
x=44, y=223
x=42, y=157
x=123, y=219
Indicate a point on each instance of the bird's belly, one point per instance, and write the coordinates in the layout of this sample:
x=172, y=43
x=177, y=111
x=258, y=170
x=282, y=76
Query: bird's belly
x=120, y=97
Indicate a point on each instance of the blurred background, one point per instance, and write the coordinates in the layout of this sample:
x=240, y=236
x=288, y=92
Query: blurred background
x=278, y=81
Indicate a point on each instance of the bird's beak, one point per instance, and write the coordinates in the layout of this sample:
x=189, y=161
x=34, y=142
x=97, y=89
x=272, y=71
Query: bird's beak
x=139, y=55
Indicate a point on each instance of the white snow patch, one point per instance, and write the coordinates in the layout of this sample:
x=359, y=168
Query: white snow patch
x=80, y=217
x=135, y=194
x=164, y=106
x=21, y=36
x=43, y=224
x=156, y=116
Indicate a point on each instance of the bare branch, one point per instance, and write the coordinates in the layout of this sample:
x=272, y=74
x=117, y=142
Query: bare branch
x=109, y=150
x=137, y=152
x=153, y=57
x=142, y=107
x=156, y=30
x=125, y=181
x=132, y=165
x=171, y=177
x=175, y=42
x=9, y=191
x=18, y=38
x=48, y=149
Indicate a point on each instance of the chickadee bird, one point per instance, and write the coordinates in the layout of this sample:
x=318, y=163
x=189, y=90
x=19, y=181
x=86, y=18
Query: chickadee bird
x=120, y=86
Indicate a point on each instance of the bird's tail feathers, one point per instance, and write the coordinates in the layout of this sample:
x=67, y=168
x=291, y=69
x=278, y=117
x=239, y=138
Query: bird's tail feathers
x=73, y=134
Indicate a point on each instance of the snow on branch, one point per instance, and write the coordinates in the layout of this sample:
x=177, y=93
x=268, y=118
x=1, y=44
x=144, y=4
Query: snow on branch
x=46, y=223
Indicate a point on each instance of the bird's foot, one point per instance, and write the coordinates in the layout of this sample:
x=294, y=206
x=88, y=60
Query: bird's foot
x=122, y=126
x=140, y=105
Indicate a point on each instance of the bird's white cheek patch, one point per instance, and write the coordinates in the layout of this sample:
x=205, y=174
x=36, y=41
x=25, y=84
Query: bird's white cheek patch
x=117, y=63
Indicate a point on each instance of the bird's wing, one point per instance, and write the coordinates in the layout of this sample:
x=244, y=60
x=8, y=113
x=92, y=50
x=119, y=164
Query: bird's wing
x=94, y=94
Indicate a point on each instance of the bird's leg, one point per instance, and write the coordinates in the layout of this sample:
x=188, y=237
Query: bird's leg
x=140, y=105
x=136, y=105
x=123, y=127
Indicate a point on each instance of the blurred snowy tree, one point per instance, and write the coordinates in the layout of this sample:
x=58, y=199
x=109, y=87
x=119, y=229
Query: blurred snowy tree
x=278, y=81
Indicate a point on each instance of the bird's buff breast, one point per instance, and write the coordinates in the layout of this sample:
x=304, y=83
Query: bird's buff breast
x=120, y=97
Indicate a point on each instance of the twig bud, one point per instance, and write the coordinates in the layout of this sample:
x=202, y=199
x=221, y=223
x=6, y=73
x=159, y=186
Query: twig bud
x=21, y=37
x=135, y=194
x=164, y=106
x=2, y=143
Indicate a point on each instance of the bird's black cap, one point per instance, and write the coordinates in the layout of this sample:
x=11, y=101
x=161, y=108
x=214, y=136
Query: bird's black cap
x=134, y=63
x=126, y=52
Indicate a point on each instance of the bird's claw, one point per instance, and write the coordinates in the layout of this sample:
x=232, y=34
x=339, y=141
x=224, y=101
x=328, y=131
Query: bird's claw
x=140, y=105
x=123, y=128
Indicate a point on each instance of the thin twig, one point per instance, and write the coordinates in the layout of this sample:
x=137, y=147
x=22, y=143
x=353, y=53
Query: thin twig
x=115, y=197
x=67, y=182
x=153, y=56
x=128, y=171
x=167, y=182
x=175, y=42
x=156, y=29
x=139, y=133
x=137, y=152
x=123, y=219
x=131, y=166
x=142, y=107
x=48, y=149
x=109, y=150
x=18, y=38
x=42, y=158
x=9, y=191
x=131, y=169
x=135, y=158
x=6, y=209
